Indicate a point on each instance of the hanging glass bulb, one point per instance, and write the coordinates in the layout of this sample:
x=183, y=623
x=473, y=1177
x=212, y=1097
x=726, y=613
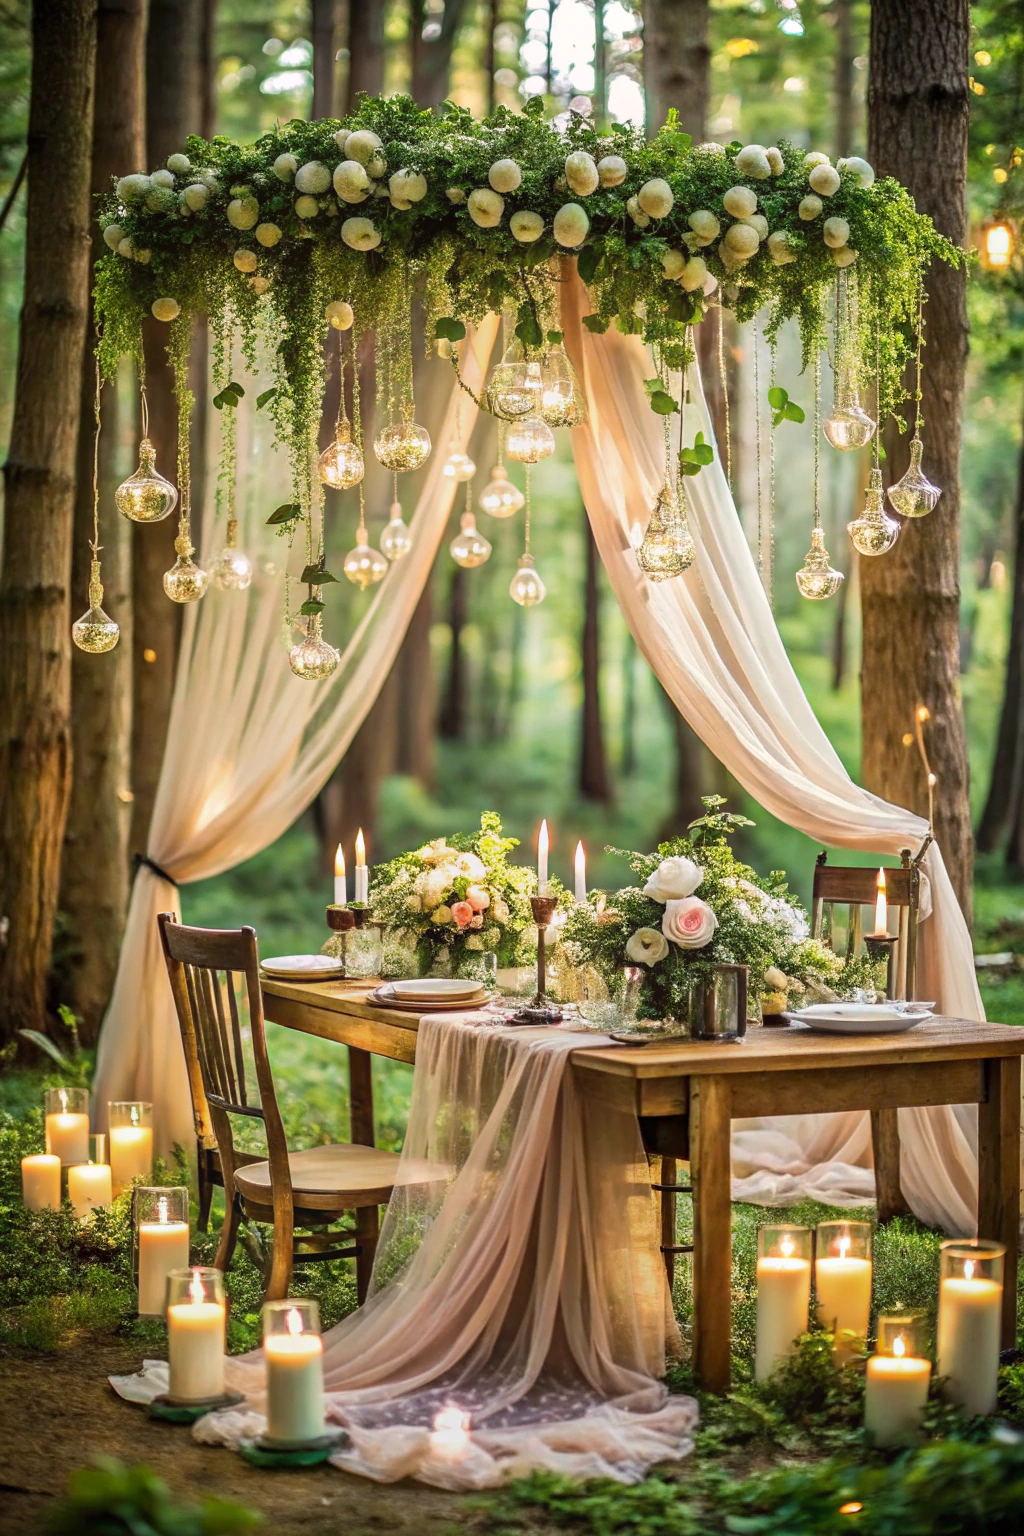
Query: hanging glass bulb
x=666, y=549
x=526, y=587
x=95, y=631
x=849, y=426
x=514, y=388
x=364, y=565
x=914, y=495
x=530, y=440
x=401, y=447
x=312, y=658
x=816, y=578
x=459, y=466
x=341, y=464
x=874, y=532
x=469, y=548
x=500, y=498
x=146, y=497
x=232, y=570
x=396, y=540
x=185, y=582
x=561, y=402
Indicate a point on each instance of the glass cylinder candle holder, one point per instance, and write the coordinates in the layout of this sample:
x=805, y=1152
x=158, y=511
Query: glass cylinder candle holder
x=294, y=1352
x=842, y=1279
x=89, y=1184
x=898, y=1376
x=970, y=1317
x=364, y=947
x=131, y=1142
x=783, y=1294
x=40, y=1181
x=67, y=1124
x=160, y=1227
x=195, y=1334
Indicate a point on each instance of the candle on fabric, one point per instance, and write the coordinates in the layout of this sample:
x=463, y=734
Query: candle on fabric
x=449, y=1439
x=581, y=874
x=896, y=1391
x=783, y=1304
x=195, y=1344
x=295, y=1382
x=970, y=1307
x=340, y=879
x=843, y=1284
x=163, y=1246
x=881, y=929
x=131, y=1144
x=89, y=1187
x=67, y=1131
x=40, y=1181
x=362, y=873
x=542, y=860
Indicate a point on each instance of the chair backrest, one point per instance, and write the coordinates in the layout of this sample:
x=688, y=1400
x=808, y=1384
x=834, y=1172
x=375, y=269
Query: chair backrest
x=855, y=887
x=202, y=965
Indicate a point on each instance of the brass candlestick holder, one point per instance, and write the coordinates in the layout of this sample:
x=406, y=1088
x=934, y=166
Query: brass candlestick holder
x=882, y=946
x=541, y=1010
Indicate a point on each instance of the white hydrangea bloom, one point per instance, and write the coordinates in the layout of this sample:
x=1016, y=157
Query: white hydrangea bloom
x=864, y=172
x=113, y=235
x=504, y=176
x=612, y=170
x=361, y=145
x=526, y=227
x=196, y=196
x=409, y=186
x=312, y=177
x=243, y=213
x=570, y=225
x=753, y=161
x=284, y=167
x=704, y=225
x=581, y=173
x=825, y=180
x=351, y=182
x=163, y=179
x=810, y=206
x=656, y=198
x=131, y=188
x=165, y=309
x=179, y=164
x=741, y=202
x=835, y=232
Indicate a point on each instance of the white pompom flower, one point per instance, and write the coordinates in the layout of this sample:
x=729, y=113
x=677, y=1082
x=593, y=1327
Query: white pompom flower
x=179, y=164
x=284, y=167
x=113, y=235
x=570, y=225
x=360, y=234
x=162, y=179
x=504, y=176
x=245, y=260
x=776, y=164
x=165, y=309
x=339, y=314
x=351, y=181
x=612, y=170
x=742, y=240
x=196, y=196
x=815, y=157
x=705, y=226
x=753, y=161
x=694, y=274
x=740, y=202
x=845, y=257
x=825, y=180
x=636, y=213
x=312, y=177
x=526, y=227
x=860, y=168
x=243, y=213
x=836, y=232
x=408, y=186
x=810, y=207
x=759, y=222
x=672, y=264
x=485, y=207
x=656, y=198
x=306, y=207
x=581, y=173
x=711, y=147
x=131, y=188
x=360, y=145
x=268, y=234
x=779, y=248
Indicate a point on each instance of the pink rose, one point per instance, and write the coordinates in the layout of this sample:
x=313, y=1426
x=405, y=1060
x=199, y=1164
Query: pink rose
x=690, y=923
x=478, y=898
x=462, y=913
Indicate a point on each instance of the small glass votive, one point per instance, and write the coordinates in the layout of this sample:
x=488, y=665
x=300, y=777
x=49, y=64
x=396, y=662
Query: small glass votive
x=609, y=1001
x=364, y=947
x=293, y=1351
x=67, y=1124
x=898, y=1376
x=131, y=1142
x=783, y=1293
x=970, y=1321
x=89, y=1184
x=195, y=1334
x=161, y=1234
x=40, y=1181
x=842, y=1280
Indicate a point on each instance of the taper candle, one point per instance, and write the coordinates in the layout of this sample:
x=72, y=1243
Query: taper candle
x=362, y=873
x=340, y=879
x=580, y=873
x=542, y=860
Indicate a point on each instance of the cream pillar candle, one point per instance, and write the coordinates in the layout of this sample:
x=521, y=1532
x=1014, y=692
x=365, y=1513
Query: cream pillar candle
x=89, y=1186
x=895, y=1394
x=131, y=1153
x=449, y=1438
x=842, y=1279
x=295, y=1372
x=67, y=1124
x=195, y=1336
x=970, y=1309
x=40, y=1181
x=163, y=1246
x=783, y=1294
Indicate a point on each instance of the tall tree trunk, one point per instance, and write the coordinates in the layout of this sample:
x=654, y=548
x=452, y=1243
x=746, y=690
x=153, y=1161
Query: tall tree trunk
x=592, y=778
x=350, y=799
x=208, y=70
x=39, y=478
x=1004, y=807
x=365, y=50
x=600, y=116
x=94, y=871
x=432, y=56
x=676, y=62
x=491, y=11
x=627, y=753
x=173, y=111
x=910, y=600
x=452, y=720
x=324, y=48
x=843, y=145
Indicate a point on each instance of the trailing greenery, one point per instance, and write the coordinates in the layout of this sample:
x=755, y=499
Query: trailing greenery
x=108, y=1498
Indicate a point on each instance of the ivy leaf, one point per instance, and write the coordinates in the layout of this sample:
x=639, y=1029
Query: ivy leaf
x=662, y=404
x=267, y=395
x=777, y=397
x=588, y=262
x=595, y=324
x=528, y=330
x=311, y=606
x=793, y=412
x=286, y=513
x=554, y=338
x=316, y=576
x=229, y=395
x=449, y=329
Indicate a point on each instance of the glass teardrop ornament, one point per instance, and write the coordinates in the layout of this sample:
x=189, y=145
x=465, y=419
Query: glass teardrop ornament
x=402, y=447
x=364, y=565
x=396, y=539
x=666, y=549
x=469, y=548
x=312, y=658
x=816, y=577
x=914, y=495
x=562, y=403
x=95, y=631
x=341, y=463
x=459, y=466
x=185, y=582
x=530, y=440
x=146, y=497
x=515, y=387
x=526, y=587
x=499, y=497
x=849, y=427
x=874, y=532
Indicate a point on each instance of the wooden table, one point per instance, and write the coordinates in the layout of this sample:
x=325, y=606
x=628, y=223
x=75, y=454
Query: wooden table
x=686, y=1094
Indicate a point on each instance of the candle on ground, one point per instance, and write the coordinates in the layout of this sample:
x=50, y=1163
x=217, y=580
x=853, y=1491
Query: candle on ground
x=89, y=1187
x=40, y=1181
x=362, y=873
x=340, y=879
x=67, y=1132
x=881, y=929
x=195, y=1344
x=843, y=1284
x=542, y=860
x=581, y=874
x=449, y=1439
x=295, y=1382
x=783, y=1304
x=131, y=1146
x=895, y=1394
x=163, y=1246
x=968, y=1349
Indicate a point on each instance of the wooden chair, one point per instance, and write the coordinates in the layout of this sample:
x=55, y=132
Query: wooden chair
x=855, y=888
x=287, y=1190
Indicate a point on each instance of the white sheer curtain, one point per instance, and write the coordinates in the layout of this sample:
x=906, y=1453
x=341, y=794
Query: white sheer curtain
x=711, y=638
x=248, y=747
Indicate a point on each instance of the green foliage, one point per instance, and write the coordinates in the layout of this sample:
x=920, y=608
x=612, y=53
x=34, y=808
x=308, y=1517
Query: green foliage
x=109, y=1498
x=693, y=460
x=783, y=408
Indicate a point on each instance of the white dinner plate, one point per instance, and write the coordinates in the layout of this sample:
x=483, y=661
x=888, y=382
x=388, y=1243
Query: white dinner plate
x=891, y=1023
x=308, y=967
x=436, y=989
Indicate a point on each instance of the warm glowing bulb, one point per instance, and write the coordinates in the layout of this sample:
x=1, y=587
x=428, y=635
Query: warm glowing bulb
x=923, y=713
x=997, y=246
x=451, y=1419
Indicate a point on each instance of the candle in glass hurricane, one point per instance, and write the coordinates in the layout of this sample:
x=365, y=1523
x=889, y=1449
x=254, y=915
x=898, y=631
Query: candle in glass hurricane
x=40, y=1181
x=783, y=1294
x=898, y=1375
x=161, y=1236
x=580, y=874
x=340, y=879
x=970, y=1308
x=542, y=859
x=842, y=1279
x=67, y=1124
x=362, y=873
x=449, y=1439
x=131, y=1142
x=293, y=1351
x=89, y=1184
x=195, y=1334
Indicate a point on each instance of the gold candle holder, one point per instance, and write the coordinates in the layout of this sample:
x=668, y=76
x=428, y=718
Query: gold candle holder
x=541, y=1010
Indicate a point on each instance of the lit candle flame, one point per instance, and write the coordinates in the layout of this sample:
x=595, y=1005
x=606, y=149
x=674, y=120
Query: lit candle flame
x=135, y=1114
x=581, y=872
x=999, y=245
x=786, y=1247
x=293, y=1321
x=360, y=850
x=451, y=1421
x=881, y=909
x=968, y=1269
x=161, y=1209
x=195, y=1291
x=899, y=1349
x=64, y=1100
x=843, y=1246
x=339, y=861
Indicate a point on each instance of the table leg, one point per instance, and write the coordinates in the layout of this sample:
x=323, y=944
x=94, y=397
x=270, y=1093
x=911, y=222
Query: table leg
x=711, y=1176
x=360, y=1093
x=885, y=1144
x=999, y=1175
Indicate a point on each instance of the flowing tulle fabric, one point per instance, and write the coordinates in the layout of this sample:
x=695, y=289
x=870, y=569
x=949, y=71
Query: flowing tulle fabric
x=711, y=638
x=524, y=1286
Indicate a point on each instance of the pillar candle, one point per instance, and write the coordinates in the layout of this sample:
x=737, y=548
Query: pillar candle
x=163, y=1246
x=67, y=1137
x=844, y=1294
x=895, y=1395
x=89, y=1186
x=40, y=1181
x=968, y=1349
x=783, y=1303
x=131, y=1154
x=195, y=1347
x=295, y=1385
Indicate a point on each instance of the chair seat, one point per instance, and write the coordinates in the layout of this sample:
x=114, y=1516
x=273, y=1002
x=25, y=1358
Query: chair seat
x=347, y=1171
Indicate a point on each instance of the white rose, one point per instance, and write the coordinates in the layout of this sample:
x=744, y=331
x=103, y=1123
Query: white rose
x=775, y=161
x=113, y=235
x=469, y=865
x=196, y=196
x=414, y=903
x=846, y=257
x=636, y=213
x=740, y=202
x=674, y=878
x=351, y=182
x=268, y=234
x=581, y=173
x=165, y=309
x=861, y=169
x=361, y=145
x=485, y=207
x=306, y=207
x=243, y=212
x=408, y=186
x=340, y=314
x=162, y=179
x=179, y=164
x=690, y=923
x=526, y=227
x=810, y=206
x=360, y=234
x=825, y=180
x=245, y=260
x=570, y=225
x=694, y=274
x=647, y=946
x=775, y=979
x=753, y=161
x=135, y=186
x=704, y=225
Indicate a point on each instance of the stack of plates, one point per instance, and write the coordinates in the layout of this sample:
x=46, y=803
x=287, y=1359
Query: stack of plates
x=302, y=967
x=857, y=1018
x=431, y=994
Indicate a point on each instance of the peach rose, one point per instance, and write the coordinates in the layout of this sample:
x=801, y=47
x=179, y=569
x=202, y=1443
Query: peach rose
x=462, y=913
x=690, y=923
x=478, y=898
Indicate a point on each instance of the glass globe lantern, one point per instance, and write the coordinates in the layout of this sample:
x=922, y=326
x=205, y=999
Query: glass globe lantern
x=816, y=578
x=561, y=402
x=396, y=539
x=364, y=565
x=914, y=495
x=404, y=446
x=666, y=550
x=849, y=427
x=530, y=440
x=341, y=463
x=146, y=497
x=526, y=587
x=312, y=658
x=185, y=582
x=500, y=498
x=95, y=631
x=458, y=466
x=514, y=388
x=469, y=548
x=874, y=532
x=232, y=570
